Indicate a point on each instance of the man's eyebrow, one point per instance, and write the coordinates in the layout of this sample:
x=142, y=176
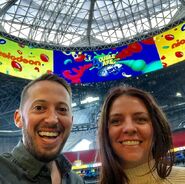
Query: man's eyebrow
x=39, y=100
x=46, y=101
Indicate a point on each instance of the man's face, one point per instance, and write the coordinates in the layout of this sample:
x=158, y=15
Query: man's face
x=46, y=119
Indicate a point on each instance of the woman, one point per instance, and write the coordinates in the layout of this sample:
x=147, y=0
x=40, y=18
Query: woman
x=135, y=140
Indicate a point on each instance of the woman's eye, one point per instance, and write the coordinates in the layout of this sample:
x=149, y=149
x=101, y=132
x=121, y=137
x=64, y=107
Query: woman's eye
x=142, y=120
x=114, y=122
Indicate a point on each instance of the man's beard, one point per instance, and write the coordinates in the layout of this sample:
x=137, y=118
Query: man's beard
x=31, y=146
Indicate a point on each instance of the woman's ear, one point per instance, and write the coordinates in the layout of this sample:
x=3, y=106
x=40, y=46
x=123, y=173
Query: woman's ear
x=18, y=119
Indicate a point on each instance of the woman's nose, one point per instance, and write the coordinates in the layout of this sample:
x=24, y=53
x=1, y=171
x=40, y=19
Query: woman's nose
x=129, y=127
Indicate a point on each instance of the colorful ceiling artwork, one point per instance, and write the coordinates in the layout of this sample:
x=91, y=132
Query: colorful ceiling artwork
x=95, y=66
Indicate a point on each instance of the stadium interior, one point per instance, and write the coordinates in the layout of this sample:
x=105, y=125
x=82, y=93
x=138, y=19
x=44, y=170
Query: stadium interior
x=91, y=25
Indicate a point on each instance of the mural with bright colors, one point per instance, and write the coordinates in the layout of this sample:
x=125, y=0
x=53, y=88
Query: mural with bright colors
x=110, y=64
x=171, y=45
x=24, y=61
x=95, y=66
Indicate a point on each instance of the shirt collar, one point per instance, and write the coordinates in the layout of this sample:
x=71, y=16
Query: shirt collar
x=64, y=164
x=33, y=166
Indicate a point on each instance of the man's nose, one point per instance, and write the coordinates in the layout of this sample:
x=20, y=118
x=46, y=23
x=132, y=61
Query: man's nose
x=51, y=117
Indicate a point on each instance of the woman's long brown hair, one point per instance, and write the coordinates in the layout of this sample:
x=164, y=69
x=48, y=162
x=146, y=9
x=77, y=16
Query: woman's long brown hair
x=162, y=148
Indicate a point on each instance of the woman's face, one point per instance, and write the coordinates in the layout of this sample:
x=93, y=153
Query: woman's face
x=130, y=131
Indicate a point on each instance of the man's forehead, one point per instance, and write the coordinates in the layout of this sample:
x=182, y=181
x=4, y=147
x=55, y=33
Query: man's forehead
x=45, y=83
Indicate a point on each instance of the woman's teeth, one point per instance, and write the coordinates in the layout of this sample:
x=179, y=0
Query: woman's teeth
x=130, y=142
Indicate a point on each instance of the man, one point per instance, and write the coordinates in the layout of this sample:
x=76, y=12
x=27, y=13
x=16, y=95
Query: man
x=45, y=117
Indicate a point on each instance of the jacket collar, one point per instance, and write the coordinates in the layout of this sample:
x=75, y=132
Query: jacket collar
x=33, y=166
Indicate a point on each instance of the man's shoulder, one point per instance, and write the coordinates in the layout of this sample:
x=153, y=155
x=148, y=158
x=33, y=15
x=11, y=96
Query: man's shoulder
x=7, y=162
x=5, y=157
x=7, y=168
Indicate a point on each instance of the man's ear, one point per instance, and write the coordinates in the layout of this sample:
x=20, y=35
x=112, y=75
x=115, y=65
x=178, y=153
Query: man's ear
x=18, y=119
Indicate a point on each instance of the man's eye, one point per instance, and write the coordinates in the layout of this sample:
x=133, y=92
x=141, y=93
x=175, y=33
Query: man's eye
x=39, y=108
x=63, y=109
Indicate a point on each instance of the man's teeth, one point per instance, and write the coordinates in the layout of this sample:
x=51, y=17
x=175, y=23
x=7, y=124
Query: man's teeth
x=49, y=134
x=130, y=142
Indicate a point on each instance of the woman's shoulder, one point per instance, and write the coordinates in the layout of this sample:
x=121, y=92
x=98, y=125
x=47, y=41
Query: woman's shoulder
x=177, y=175
x=179, y=170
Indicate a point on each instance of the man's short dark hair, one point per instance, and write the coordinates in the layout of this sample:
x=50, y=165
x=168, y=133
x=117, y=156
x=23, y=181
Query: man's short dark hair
x=44, y=77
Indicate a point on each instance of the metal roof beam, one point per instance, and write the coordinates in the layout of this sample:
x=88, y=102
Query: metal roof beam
x=4, y=10
x=8, y=5
x=180, y=13
x=183, y=2
x=91, y=13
